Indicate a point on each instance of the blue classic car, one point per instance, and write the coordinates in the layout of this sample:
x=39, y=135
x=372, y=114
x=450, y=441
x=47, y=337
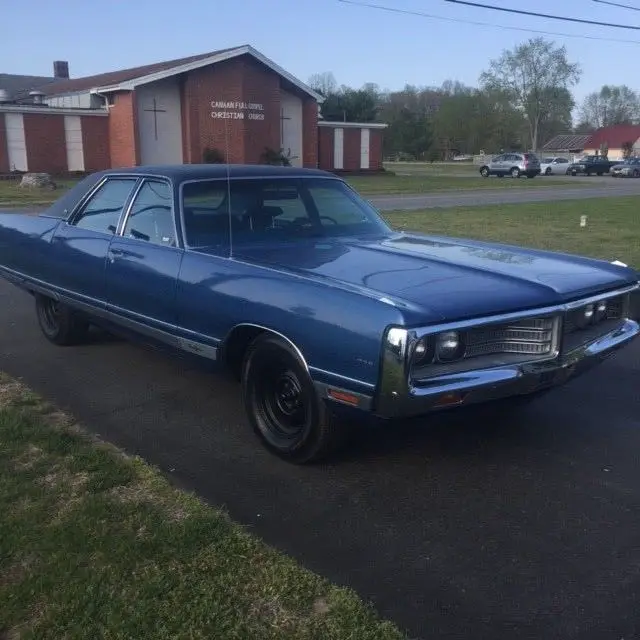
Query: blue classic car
x=291, y=280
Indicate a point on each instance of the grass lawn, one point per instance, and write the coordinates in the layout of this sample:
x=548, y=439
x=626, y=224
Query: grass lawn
x=11, y=195
x=430, y=182
x=612, y=231
x=423, y=180
x=94, y=544
x=434, y=168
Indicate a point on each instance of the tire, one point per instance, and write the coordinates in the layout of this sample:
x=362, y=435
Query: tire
x=515, y=172
x=60, y=324
x=282, y=405
x=547, y=171
x=599, y=173
x=484, y=172
x=636, y=173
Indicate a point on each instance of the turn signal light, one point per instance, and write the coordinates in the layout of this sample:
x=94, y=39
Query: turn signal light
x=342, y=396
x=450, y=399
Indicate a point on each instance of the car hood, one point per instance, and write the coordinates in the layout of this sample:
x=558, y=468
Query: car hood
x=445, y=277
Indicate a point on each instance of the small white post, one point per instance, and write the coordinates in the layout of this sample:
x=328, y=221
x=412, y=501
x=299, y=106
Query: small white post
x=583, y=221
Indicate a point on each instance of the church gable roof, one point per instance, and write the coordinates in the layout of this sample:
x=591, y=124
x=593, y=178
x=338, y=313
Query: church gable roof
x=128, y=79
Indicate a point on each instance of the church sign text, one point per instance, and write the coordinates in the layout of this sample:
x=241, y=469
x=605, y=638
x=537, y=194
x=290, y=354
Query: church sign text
x=230, y=110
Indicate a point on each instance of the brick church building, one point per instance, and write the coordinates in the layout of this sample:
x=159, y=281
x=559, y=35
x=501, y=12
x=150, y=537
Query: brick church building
x=233, y=103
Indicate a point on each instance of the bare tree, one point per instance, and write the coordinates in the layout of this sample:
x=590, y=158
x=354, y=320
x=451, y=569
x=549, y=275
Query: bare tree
x=534, y=75
x=324, y=83
x=611, y=105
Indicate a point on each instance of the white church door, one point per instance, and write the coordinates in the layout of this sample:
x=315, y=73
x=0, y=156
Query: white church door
x=291, y=127
x=160, y=122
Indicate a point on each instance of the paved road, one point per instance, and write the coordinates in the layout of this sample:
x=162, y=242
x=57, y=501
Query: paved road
x=602, y=188
x=482, y=526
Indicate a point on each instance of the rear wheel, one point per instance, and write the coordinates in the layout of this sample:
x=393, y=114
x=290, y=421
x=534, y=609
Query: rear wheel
x=282, y=404
x=484, y=172
x=60, y=324
x=636, y=173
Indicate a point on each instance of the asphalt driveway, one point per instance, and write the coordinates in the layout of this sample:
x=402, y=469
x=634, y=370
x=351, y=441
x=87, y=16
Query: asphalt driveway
x=481, y=525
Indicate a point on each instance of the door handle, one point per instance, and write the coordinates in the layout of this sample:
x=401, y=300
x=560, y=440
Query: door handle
x=114, y=253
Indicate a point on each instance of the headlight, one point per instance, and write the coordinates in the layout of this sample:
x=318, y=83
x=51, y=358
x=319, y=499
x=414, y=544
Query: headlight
x=600, y=312
x=585, y=316
x=423, y=352
x=449, y=346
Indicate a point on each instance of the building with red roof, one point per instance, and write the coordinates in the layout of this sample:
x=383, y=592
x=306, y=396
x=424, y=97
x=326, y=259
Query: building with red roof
x=612, y=140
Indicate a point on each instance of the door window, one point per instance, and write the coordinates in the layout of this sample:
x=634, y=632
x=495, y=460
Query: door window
x=102, y=211
x=151, y=215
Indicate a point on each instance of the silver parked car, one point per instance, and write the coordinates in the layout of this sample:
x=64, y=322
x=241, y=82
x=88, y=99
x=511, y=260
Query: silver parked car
x=512, y=164
x=630, y=168
x=557, y=165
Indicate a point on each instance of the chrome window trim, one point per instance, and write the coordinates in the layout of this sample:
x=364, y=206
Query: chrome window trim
x=125, y=218
x=72, y=218
x=224, y=180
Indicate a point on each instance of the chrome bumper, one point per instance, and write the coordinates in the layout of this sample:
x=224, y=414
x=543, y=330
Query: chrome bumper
x=401, y=396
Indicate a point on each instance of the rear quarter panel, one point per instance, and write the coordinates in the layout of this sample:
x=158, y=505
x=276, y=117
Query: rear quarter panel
x=25, y=244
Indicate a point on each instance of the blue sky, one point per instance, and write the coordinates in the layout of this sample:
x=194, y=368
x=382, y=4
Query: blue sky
x=307, y=36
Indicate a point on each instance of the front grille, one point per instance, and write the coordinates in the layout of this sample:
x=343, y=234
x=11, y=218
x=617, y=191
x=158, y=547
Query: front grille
x=575, y=336
x=534, y=336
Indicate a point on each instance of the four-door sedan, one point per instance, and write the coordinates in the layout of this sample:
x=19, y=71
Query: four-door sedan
x=554, y=165
x=294, y=283
x=630, y=168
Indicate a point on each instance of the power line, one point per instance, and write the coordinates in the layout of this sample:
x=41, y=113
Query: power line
x=535, y=14
x=617, y=4
x=476, y=23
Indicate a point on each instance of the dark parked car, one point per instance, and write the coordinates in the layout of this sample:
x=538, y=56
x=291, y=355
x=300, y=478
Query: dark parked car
x=512, y=164
x=293, y=282
x=589, y=165
x=630, y=168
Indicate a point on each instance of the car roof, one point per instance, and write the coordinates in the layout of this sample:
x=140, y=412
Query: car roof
x=181, y=172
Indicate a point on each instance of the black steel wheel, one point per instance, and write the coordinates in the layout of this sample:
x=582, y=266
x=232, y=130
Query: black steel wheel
x=282, y=404
x=60, y=324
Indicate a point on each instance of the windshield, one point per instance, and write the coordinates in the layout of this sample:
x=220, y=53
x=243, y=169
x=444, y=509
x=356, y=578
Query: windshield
x=547, y=160
x=274, y=209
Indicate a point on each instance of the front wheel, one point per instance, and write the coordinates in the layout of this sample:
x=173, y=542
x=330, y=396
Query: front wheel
x=282, y=404
x=515, y=172
x=60, y=324
x=547, y=171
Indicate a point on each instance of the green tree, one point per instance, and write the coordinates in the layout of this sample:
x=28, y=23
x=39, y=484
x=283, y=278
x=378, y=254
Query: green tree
x=532, y=74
